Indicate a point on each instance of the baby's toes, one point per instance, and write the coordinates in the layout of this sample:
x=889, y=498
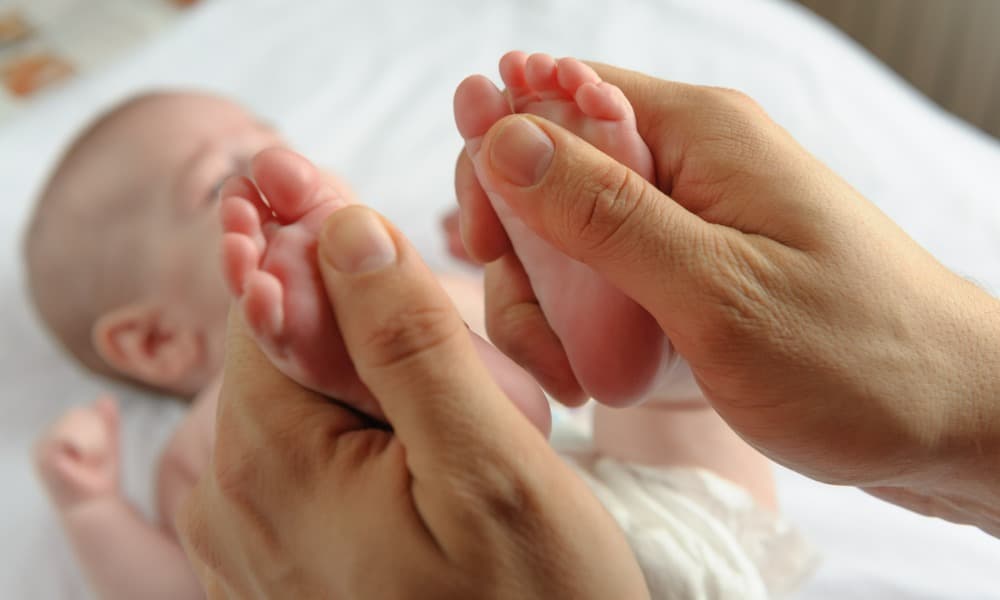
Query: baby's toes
x=292, y=185
x=240, y=257
x=571, y=74
x=478, y=104
x=541, y=74
x=243, y=208
x=262, y=305
x=513, y=66
x=603, y=101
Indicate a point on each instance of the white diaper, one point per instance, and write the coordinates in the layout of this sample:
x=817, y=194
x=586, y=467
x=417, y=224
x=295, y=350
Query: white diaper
x=674, y=381
x=695, y=535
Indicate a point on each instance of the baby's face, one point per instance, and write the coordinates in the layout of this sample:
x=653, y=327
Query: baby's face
x=184, y=147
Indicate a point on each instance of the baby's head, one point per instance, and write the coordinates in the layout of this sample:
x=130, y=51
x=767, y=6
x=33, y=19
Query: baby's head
x=122, y=249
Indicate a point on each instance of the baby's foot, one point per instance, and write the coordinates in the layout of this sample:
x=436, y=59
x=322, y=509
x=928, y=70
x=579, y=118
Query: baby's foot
x=78, y=458
x=269, y=262
x=613, y=345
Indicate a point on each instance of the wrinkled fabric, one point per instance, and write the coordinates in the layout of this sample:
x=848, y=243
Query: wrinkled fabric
x=697, y=536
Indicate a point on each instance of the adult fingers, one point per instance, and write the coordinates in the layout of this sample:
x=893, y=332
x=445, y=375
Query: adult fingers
x=482, y=233
x=410, y=347
x=714, y=147
x=596, y=210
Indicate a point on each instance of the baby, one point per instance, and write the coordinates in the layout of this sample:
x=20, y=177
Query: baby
x=141, y=297
x=122, y=262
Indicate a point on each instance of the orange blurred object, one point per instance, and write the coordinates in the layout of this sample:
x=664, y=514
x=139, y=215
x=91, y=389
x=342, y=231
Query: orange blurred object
x=25, y=75
x=13, y=27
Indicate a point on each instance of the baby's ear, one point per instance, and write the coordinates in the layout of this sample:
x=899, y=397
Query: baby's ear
x=142, y=342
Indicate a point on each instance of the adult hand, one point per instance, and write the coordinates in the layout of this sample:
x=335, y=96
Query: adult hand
x=463, y=498
x=817, y=328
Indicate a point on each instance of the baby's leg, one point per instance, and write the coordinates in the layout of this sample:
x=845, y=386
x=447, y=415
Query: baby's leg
x=614, y=347
x=271, y=226
x=124, y=556
x=688, y=434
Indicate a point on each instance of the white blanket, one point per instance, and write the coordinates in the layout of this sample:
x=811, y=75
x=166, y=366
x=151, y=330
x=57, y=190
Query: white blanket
x=365, y=88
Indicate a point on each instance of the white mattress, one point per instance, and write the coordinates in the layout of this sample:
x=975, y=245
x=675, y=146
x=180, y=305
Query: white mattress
x=365, y=88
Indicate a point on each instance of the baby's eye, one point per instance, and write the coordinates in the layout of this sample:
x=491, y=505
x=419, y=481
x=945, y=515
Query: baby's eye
x=237, y=166
x=213, y=195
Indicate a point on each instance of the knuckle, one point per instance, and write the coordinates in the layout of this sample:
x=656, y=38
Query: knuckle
x=503, y=499
x=605, y=202
x=735, y=100
x=512, y=328
x=234, y=481
x=742, y=298
x=736, y=138
x=508, y=500
x=241, y=487
x=409, y=333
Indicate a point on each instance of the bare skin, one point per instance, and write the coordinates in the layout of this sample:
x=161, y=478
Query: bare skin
x=90, y=434
x=148, y=302
x=614, y=350
x=270, y=269
x=805, y=313
x=181, y=147
x=122, y=553
x=455, y=502
x=612, y=344
x=269, y=264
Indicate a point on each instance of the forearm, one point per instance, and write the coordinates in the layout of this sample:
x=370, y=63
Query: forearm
x=126, y=557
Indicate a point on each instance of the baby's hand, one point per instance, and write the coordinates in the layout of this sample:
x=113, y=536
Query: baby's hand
x=78, y=457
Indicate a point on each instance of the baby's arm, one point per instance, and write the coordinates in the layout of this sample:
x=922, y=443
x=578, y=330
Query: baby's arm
x=126, y=557
x=123, y=555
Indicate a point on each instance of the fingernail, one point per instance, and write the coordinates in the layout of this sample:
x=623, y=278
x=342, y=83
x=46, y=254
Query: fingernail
x=358, y=243
x=521, y=152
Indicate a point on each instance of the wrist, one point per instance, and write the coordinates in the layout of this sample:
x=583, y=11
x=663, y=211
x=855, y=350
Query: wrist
x=960, y=476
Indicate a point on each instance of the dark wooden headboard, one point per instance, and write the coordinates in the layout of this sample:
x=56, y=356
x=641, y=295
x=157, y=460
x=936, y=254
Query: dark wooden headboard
x=948, y=49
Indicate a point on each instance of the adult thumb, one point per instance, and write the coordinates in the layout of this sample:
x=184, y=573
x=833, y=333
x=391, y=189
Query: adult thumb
x=591, y=207
x=409, y=345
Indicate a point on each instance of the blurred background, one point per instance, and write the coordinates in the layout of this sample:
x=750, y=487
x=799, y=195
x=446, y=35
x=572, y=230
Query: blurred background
x=948, y=49
x=45, y=42
x=365, y=88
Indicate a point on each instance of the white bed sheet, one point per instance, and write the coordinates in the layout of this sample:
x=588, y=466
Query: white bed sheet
x=365, y=88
